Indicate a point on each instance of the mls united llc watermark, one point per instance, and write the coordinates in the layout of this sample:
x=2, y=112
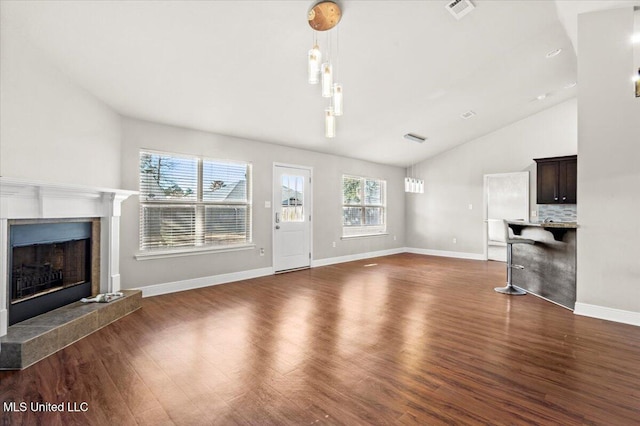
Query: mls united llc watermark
x=43, y=407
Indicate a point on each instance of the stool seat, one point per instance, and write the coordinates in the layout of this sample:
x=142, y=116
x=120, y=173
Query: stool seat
x=520, y=241
x=510, y=240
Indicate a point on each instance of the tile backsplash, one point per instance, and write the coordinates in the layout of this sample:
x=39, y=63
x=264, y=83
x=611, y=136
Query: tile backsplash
x=558, y=212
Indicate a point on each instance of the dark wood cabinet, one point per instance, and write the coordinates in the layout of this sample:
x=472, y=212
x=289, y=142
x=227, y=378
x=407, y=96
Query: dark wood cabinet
x=557, y=180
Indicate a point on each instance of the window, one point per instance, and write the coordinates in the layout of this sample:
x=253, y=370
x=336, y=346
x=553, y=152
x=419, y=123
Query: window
x=193, y=202
x=363, y=206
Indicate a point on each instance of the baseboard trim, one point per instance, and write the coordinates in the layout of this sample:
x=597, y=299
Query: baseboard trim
x=609, y=314
x=359, y=256
x=443, y=253
x=176, y=286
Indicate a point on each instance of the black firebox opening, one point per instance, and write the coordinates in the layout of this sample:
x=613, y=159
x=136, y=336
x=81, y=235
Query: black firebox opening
x=50, y=266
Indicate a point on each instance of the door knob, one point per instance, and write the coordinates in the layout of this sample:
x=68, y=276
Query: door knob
x=277, y=226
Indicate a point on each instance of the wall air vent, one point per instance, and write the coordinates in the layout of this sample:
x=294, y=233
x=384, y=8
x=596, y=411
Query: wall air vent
x=460, y=8
x=414, y=137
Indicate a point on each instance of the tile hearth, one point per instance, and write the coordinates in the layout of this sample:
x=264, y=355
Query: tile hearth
x=29, y=341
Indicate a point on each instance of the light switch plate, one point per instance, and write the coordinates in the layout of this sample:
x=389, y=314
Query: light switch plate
x=267, y=204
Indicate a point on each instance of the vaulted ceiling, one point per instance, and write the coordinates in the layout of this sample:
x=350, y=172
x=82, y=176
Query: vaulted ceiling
x=239, y=67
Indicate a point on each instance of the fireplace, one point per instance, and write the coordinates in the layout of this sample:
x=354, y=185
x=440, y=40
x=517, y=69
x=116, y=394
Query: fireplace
x=50, y=265
x=27, y=202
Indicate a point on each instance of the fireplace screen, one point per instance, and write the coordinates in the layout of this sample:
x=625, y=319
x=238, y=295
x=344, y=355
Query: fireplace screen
x=43, y=268
x=50, y=265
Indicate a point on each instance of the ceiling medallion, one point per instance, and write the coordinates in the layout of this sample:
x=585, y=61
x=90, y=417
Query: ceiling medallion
x=324, y=15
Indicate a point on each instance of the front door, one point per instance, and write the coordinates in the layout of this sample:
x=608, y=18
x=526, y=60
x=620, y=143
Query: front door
x=291, y=218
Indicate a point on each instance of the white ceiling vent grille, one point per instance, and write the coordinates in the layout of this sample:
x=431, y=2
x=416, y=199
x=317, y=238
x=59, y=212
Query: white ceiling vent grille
x=415, y=138
x=467, y=115
x=460, y=8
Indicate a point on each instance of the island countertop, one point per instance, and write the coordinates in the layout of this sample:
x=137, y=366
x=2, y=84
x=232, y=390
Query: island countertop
x=567, y=225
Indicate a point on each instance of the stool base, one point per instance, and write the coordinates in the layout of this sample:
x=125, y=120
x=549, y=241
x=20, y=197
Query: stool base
x=509, y=289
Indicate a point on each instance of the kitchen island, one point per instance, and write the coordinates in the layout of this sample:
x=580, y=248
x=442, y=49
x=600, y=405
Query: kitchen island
x=549, y=264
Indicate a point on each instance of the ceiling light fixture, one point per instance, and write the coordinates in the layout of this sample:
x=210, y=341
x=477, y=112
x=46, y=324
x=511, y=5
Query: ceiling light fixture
x=541, y=97
x=412, y=184
x=324, y=16
x=570, y=85
x=553, y=53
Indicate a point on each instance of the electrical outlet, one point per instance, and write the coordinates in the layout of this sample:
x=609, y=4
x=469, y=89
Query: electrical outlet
x=534, y=213
x=470, y=206
x=333, y=244
x=267, y=204
x=395, y=238
x=261, y=252
x=455, y=240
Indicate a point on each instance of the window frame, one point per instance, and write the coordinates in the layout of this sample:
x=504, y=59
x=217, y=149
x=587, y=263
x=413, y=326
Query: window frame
x=200, y=244
x=364, y=230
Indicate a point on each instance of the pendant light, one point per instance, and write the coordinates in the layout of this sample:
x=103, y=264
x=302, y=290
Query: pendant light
x=412, y=184
x=314, y=61
x=327, y=79
x=323, y=16
x=329, y=123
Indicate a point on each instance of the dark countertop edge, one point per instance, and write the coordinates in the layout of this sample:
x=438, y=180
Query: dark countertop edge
x=563, y=225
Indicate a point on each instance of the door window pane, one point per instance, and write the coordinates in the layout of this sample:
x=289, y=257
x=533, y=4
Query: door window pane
x=292, y=198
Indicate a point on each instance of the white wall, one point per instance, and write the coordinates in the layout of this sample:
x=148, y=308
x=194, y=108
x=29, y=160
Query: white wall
x=51, y=129
x=327, y=212
x=608, y=263
x=454, y=179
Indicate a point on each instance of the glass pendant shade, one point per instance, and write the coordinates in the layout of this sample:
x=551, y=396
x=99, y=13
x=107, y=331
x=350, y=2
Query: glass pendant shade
x=329, y=123
x=327, y=79
x=413, y=185
x=337, y=99
x=314, y=61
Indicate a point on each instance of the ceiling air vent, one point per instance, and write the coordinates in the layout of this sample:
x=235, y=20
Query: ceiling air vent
x=459, y=8
x=414, y=137
x=467, y=115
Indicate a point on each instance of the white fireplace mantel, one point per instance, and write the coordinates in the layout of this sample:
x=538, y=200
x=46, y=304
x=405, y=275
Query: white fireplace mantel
x=26, y=199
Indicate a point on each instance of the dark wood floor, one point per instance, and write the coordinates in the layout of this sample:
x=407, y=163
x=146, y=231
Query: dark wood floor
x=411, y=340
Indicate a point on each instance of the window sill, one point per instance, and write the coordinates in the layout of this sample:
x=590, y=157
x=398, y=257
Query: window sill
x=191, y=251
x=353, y=237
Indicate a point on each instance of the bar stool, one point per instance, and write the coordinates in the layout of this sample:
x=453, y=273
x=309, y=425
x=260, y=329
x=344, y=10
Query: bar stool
x=510, y=288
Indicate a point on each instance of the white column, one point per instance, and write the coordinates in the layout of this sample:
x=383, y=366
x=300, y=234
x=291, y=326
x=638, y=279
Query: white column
x=110, y=233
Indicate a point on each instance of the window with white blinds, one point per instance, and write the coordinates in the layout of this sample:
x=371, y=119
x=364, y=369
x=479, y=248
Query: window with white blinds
x=190, y=201
x=363, y=206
